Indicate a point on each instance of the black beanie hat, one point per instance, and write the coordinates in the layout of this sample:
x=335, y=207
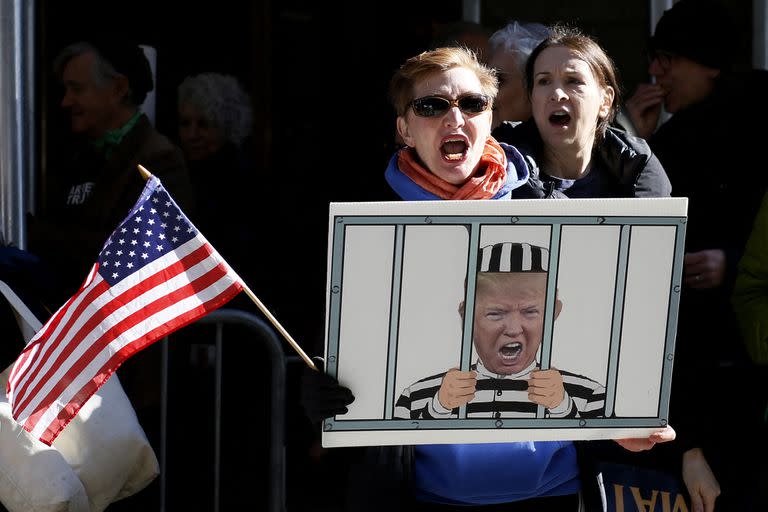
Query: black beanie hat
x=701, y=30
x=129, y=60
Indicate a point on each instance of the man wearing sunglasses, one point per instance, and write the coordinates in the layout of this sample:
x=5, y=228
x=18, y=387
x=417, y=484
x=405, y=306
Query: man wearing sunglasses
x=709, y=148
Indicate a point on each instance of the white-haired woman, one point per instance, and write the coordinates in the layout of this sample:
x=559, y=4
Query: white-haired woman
x=214, y=113
x=215, y=117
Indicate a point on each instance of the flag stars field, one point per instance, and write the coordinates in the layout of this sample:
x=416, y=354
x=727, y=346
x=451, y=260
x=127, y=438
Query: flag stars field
x=155, y=241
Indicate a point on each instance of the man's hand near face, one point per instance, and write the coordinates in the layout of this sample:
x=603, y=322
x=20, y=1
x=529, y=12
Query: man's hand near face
x=457, y=388
x=644, y=108
x=545, y=387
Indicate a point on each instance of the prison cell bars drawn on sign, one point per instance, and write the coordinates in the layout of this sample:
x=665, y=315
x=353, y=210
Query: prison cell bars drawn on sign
x=396, y=280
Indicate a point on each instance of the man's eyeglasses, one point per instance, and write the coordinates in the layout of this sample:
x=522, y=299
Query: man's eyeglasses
x=432, y=106
x=664, y=58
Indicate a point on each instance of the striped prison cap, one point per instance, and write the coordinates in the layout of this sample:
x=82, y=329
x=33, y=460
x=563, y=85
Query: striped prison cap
x=513, y=257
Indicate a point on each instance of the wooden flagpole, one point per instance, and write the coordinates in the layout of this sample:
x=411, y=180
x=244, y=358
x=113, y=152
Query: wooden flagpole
x=146, y=175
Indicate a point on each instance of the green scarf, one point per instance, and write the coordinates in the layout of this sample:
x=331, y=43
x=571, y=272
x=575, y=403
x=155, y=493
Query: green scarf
x=112, y=138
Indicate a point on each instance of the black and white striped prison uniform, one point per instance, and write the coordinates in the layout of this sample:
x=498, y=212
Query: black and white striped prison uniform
x=502, y=396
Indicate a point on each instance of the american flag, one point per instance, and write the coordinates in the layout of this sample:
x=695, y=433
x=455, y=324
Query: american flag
x=155, y=274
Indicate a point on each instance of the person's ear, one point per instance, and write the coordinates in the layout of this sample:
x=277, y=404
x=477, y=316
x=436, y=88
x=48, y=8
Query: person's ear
x=608, y=95
x=405, y=133
x=558, y=307
x=461, y=310
x=120, y=87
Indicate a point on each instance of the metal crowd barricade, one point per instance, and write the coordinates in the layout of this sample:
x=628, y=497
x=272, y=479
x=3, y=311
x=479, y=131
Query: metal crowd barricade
x=265, y=335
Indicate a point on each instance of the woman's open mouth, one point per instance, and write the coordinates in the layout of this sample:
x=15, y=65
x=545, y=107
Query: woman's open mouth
x=560, y=118
x=454, y=149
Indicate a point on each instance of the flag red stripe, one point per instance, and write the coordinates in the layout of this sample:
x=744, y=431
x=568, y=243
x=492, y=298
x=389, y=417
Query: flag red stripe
x=110, y=335
x=21, y=383
x=18, y=364
x=24, y=395
x=43, y=333
x=70, y=411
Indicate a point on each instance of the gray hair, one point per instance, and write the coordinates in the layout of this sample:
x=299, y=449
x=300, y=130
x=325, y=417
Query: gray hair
x=222, y=101
x=103, y=71
x=518, y=38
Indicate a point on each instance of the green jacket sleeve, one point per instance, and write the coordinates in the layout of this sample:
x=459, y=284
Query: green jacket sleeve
x=750, y=296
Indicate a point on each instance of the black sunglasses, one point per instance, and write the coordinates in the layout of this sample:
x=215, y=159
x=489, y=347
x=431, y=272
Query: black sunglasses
x=431, y=106
x=664, y=58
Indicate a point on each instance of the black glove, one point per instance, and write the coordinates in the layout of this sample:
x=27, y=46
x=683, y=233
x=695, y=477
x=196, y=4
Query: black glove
x=321, y=395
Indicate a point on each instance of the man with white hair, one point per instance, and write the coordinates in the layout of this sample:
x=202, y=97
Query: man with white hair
x=510, y=47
